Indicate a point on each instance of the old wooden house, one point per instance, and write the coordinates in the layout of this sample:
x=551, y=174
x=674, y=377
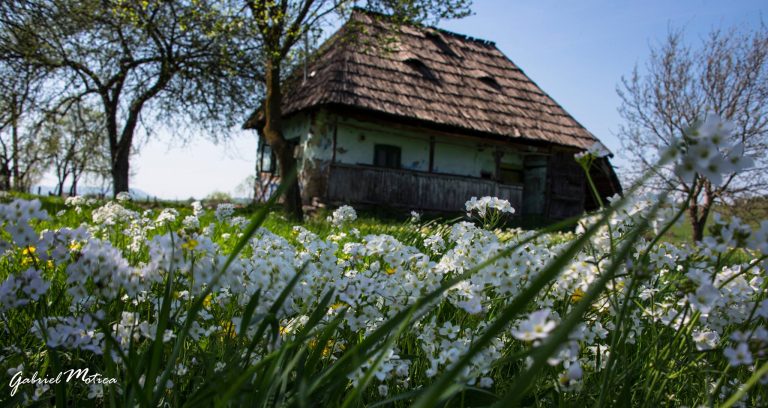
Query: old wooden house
x=421, y=118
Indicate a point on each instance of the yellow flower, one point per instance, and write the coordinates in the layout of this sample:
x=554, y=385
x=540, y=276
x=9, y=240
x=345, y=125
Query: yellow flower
x=327, y=351
x=189, y=245
x=49, y=264
x=75, y=246
x=391, y=271
x=28, y=254
x=207, y=301
x=338, y=305
x=327, y=348
x=577, y=295
x=228, y=329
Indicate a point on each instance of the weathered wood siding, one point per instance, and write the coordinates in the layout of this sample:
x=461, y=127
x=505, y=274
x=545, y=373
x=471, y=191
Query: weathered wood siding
x=412, y=189
x=535, y=181
x=566, y=186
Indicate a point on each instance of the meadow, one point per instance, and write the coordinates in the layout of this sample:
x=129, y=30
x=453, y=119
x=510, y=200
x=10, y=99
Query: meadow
x=195, y=306
x=112, y=303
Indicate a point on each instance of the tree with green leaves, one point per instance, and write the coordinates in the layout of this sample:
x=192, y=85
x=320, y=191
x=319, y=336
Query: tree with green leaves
x=283, y=23
x=77, y=146
x=180, y=64
x=23, y=157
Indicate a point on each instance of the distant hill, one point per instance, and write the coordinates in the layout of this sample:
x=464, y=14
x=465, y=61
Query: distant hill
x=136, y=194
x=89, y=190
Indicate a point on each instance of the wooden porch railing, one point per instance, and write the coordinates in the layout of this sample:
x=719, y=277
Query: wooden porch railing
x=413, y=189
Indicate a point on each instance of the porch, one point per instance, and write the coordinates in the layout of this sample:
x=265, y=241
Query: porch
x=355, y=184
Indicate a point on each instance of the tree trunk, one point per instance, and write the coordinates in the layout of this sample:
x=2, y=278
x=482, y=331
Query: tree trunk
x=120, y=168
x=73, y=188
x=292, y=198
x=273, y=133
x=698, y=213
x=697, y=227
x=5, y=176
x=62, y=173
x=60, y=186
x=76, y=174
x=118, y=158
x=16, y=183
x=120, y=149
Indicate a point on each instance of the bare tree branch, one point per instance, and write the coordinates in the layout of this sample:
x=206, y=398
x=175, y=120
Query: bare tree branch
x=727, y=73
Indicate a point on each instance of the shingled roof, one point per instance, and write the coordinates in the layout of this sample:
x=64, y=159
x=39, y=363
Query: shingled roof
x=432, y=76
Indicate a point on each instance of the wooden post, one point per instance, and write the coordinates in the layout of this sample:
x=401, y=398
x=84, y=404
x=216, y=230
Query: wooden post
x=431, y=154
x=335, y=129
x=497, y=162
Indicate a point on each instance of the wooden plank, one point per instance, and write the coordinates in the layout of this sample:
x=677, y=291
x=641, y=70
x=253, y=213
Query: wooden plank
x=412, y=189
x=535, y=185
x=566, y=186
x=431, y=154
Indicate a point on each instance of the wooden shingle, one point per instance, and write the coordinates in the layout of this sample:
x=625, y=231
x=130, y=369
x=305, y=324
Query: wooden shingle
x=432, y=76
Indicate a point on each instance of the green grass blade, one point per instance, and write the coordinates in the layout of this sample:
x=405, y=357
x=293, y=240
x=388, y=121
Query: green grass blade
x=753, y=379
x=248, y=313
x=560, y=334
x=197, y=305
x=442, y=387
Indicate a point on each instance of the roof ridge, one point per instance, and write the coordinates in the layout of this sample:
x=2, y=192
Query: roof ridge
x=359, y=66
x=424, y=27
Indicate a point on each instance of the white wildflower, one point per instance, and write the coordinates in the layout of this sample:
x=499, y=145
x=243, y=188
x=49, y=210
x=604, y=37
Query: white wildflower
x=343, y=215
x=739, y=355
x=537, y=326
x=224, y=211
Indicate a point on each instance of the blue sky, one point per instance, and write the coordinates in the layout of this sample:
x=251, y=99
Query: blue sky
x=576, y=51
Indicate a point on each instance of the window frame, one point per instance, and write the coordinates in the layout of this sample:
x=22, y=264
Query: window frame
x=511, y=169
x=267, y=155
x=393, y=156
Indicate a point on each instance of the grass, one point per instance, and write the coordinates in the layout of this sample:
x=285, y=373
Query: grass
x=232, y=315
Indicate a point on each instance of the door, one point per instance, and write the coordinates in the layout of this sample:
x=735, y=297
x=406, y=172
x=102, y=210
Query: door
x=534, y=185
x=566, y=187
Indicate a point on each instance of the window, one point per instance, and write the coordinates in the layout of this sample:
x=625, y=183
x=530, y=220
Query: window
x=422, y=68
x=490, y=82
x=510, y=174
x=386, y=156
x=267, y=162
x=487, y=80
x=438, y=40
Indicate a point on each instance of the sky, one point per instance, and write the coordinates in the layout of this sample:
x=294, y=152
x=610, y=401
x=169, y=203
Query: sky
x=576, y=51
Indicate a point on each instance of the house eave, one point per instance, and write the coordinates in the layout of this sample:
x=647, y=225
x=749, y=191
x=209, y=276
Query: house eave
x=448, y=130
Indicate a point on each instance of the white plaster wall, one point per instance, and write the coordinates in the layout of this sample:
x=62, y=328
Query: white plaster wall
x=512, y=158
x=317, y=139
x=314, y=152
x=314, y=133
x=296, y=126
x=355, y=143
x=463, y=158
